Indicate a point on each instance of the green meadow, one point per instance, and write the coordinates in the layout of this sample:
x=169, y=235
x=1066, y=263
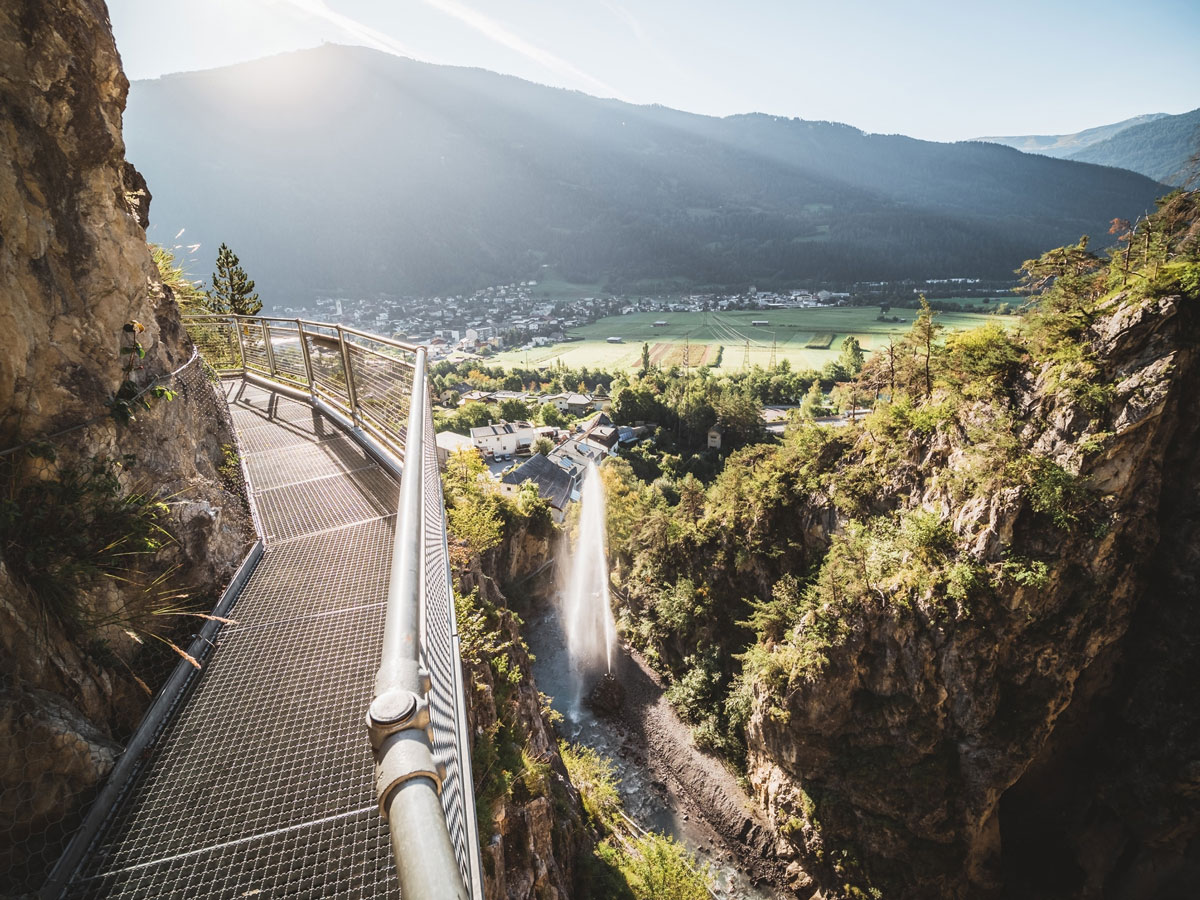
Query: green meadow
x=796, y=335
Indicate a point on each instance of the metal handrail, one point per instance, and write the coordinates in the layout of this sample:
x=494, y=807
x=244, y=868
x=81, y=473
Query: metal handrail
x=303, y=331
x=408, y=780
x=377, y=338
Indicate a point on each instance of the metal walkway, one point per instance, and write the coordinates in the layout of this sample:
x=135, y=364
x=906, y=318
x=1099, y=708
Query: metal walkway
x=263, y=786
x=334, y=690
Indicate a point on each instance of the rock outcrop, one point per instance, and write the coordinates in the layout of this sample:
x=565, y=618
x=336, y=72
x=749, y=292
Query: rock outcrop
x=1043, y=742
x=75, y=271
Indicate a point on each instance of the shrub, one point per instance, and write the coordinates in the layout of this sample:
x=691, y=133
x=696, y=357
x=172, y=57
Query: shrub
x=595, y=778
x=658, y=867
x=1052, y=490
x=66, y=529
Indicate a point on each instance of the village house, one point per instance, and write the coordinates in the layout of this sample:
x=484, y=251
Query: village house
x=603, y=437
x=599, y=433
x=579, y=404
x=574, y=403
x=504, y=439
x=555, y=484
x=451, y=442
x=462, y=389
x=575, y=456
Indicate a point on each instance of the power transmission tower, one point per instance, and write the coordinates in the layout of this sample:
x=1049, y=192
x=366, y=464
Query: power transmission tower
x=686, y=349
x=746, y=358
x=772, y=365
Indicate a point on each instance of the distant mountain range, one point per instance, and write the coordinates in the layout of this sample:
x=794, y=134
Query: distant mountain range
x=346, y=171
x=1156, y=145
x=1062, y=146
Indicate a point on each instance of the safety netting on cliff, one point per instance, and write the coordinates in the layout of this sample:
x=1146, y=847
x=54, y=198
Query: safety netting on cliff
x=99, y=594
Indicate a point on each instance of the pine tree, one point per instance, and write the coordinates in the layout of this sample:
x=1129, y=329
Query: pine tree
x=232, y=291
x=921, y=338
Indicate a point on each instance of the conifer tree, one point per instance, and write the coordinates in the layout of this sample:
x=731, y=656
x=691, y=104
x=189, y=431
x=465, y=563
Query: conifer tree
x=921, y=338
x=232, y=291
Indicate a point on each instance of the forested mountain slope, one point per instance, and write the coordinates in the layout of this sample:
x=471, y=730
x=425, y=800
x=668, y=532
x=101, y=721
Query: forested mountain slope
x=1161, y=149
x=347, y=170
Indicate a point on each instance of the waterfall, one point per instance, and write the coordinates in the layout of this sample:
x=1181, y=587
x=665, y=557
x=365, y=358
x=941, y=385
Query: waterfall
x=587, y=613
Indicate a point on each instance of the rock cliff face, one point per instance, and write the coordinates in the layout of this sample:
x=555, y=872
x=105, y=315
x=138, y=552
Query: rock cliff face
x=1044, y=743
x=74, y=271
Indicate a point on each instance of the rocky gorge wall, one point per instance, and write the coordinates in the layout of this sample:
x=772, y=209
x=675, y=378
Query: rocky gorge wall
x=75, y=274
x=531, y=822
x=1045, y=741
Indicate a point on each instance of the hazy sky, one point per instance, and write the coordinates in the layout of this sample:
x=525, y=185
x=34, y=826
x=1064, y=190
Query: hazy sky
x=942, y=70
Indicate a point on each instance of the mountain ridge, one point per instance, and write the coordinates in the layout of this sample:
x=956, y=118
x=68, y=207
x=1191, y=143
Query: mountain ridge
x=1062, y=146
x=345, y=170
x=1162, y=149
x=1157, y=145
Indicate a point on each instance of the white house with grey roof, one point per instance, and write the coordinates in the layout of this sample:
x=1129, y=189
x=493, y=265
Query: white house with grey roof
x=503, y=439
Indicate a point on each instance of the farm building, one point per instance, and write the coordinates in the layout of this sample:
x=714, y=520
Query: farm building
x=616, y=340
x=759, y=322
x=660, y=323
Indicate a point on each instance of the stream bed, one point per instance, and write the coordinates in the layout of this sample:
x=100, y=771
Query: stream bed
x=663, y=779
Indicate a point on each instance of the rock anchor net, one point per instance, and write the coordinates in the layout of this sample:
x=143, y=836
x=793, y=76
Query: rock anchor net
x=78, y=674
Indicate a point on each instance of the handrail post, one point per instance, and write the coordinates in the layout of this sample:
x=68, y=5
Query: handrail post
x=351, y=393
x=407, y=780
x=308, y=370
x=237, y=327
x=266, y=332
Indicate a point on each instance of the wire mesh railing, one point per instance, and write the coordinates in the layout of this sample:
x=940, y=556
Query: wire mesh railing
x=364, y=376
x=448, y=711
x=377, y=385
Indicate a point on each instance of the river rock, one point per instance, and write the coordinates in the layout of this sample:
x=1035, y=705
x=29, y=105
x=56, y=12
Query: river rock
x=608, y=696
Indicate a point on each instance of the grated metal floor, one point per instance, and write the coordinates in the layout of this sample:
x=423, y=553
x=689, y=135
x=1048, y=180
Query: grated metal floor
x=262, y=784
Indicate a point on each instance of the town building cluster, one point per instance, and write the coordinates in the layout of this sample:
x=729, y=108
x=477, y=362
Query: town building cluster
x=557, y=473
x=514, y=317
